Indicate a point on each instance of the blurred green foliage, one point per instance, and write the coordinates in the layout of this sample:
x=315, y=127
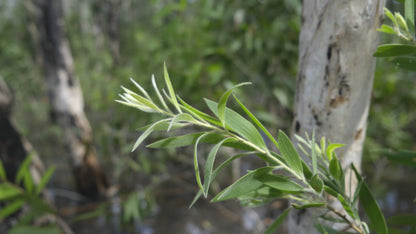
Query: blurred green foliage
x=209, y=46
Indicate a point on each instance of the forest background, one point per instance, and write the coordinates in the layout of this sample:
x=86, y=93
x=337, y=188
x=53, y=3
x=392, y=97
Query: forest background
x=209, y=46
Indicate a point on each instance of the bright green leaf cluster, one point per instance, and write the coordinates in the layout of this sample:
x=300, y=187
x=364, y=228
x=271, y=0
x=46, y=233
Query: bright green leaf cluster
x=285, y=174
x=15, y=197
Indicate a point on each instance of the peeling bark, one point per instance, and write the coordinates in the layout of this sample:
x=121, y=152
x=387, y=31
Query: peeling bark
x=66, y=98
x=335, y=78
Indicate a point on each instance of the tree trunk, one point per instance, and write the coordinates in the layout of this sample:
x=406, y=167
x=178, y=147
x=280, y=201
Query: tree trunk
x=66, y=98
x=13, y=147
x=335, y=78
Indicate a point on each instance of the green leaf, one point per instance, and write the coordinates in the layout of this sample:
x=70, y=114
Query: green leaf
x=140, y=102
x=209, y=164
x=141, y=89
x=336, y=171
x=257, y=122
x=306, y=170
x=246, y=184
x=371, y=207
x=131, y=208
x=45, y=179
x=183, y=117
x=309, y=205
x=8, y=190
x=401, y=21
x=314, y=157
x=190, y=139
x=52, y=229
x=162, y=101
x=223, y=102
x=196, y=166
x=409, y=11
x=278, y=221
x=316, y=183
x=346, y=206
x=170, y=89
x=38, y=204
x=240, y=125
x=289, y=153
x=331, y=148
x=216, y=171
x=386, y=29
x=10, y=208
x=23, y=175
x=330, y=191
x=261, y=196
x=391, y=50
x=148, y=131
x=391, y=17
x=164, y=126
x=199, y=114
x=279, y=182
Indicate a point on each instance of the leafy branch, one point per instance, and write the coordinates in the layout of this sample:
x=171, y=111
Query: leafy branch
x=285, y=175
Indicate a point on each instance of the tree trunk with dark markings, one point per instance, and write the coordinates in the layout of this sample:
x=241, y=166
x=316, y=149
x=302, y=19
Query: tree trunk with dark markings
x=66, y=98
x=335, y=78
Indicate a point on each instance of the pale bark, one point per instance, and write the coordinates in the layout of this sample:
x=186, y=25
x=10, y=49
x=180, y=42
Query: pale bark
x=335, y=78
x=66, y=98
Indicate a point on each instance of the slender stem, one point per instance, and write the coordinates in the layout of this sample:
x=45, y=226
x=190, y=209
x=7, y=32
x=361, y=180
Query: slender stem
x=341, y=215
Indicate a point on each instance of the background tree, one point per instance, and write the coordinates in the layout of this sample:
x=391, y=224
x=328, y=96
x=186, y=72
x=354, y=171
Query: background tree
x=335, y=79
x=66, y=98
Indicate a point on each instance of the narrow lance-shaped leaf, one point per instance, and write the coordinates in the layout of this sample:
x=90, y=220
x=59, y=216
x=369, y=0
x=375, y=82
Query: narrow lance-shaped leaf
x=314, y=156
x=216, y=171
x=147, y=133
x=223, y=102
x=390, y=50
x=10, y=208
x=181, y=117
x=23, y=174
x=196, y=166
x=45, y=179
x=289, y=154
x=240, y=125
x=278, y=221
x=9, y=190
x=209, y=164
x=130, y=95
x=391, y=17
x=190, y=139
x=170, y=89
x=409, y=14
x=256, y=121
x=279, y=182
x=331, y=148
x=199, y=114
x=316, y=183
x=243, y=186
x=346, y=206
x=159, y=95
x=386, y=29
x=371, y=207
x=141, y=89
